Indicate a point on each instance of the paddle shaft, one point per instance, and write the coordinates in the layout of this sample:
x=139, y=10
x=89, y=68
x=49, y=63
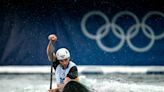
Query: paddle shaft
x=51, y=75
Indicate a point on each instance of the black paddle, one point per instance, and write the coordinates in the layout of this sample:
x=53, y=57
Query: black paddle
x=51, y=75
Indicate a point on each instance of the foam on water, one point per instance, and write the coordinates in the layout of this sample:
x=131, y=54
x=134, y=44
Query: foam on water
x=96, y=83
x=104, y=85
x=114, y=86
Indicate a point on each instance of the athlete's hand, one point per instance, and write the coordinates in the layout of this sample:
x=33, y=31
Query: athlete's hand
x=54, y=90
x=52, y=38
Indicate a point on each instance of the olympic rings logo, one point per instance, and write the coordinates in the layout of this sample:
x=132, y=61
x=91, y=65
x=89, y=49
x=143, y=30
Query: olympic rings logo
x=118, y=31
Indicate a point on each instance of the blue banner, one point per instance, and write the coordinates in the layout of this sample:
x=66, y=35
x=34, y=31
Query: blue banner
x=102, y=32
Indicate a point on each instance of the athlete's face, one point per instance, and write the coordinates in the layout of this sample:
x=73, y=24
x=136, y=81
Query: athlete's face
x=64, y=62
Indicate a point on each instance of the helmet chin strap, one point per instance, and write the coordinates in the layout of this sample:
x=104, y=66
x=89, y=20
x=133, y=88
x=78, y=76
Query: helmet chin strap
x=66, y=66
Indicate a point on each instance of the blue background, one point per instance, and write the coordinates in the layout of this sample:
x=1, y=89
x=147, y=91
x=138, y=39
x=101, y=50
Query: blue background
x=26, y=24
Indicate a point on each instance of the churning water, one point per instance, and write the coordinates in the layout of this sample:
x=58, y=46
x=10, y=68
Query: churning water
x=95, y=82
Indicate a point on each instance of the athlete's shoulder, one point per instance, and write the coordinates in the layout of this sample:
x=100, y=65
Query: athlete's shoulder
x=72, y=63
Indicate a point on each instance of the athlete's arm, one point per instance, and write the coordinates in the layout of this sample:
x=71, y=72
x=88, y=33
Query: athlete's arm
x=73, y=74
x=52, y=39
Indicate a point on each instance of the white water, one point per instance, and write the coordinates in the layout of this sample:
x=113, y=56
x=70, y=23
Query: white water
x=97, y=83
x=141, y=83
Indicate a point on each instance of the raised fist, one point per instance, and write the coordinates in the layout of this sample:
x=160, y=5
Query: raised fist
x=52, y=38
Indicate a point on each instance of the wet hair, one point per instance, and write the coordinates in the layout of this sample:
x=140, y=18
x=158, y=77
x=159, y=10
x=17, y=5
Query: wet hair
x=74, y=86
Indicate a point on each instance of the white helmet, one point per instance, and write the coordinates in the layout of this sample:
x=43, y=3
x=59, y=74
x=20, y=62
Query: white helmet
x=62, y=53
